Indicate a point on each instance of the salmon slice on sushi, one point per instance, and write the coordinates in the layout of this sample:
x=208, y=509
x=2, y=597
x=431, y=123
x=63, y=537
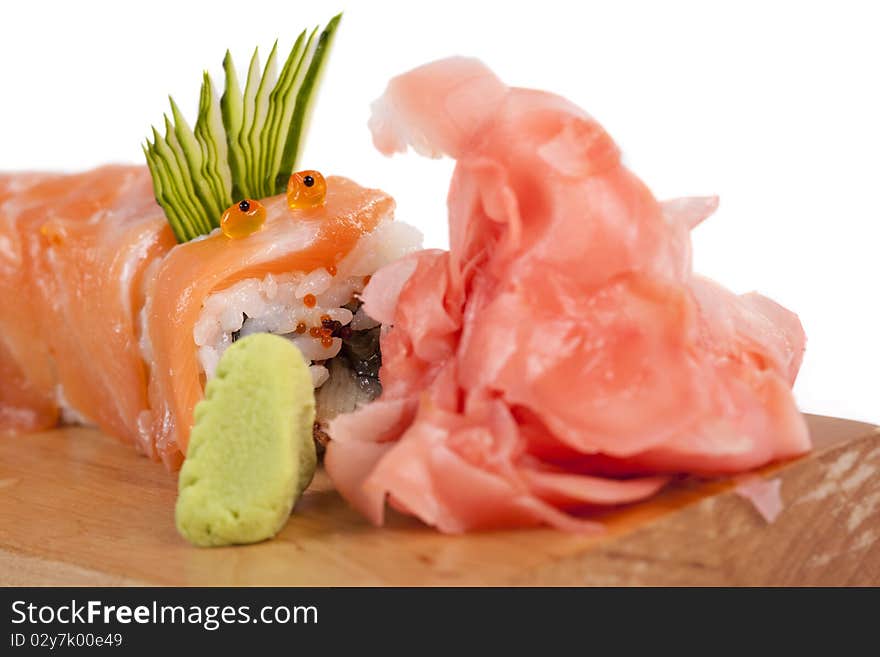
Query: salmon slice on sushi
x=71, y=291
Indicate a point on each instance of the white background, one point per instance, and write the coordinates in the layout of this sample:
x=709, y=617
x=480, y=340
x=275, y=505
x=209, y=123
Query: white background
x=775, y=106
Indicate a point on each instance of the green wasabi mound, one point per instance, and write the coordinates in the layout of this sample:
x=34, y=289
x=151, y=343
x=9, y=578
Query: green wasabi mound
x=251, y=453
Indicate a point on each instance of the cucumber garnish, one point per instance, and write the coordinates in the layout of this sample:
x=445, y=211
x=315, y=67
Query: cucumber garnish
x=247, y=121
x=192, y=153
x=212, y=140
x=302, y=107
x=252, y=139
x=231, y=109
x=275, y=115
x=244, y=146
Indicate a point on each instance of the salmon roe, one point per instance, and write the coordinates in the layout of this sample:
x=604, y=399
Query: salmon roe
x=315, y=331
x=332, y=270
x=326, y=342
x=306, y=189
x=309, y=300
x=301, y=327
x=242, y=219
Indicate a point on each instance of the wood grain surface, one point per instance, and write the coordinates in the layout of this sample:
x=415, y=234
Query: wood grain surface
x=78, y=508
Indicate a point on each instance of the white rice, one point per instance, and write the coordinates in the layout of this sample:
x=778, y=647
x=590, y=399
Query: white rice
x=275, y=303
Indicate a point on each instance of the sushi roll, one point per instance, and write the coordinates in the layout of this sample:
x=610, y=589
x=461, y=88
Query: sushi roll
x=121, y=287
x=300, y=276
x=109, y=322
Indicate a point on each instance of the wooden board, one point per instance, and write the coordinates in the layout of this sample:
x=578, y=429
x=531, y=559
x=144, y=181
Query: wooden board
x=78, y=508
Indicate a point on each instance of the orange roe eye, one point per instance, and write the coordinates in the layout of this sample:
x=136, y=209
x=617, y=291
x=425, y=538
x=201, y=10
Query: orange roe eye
x=306, y=189
x=309, y=300
x=301, y=327
x=242, y=219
